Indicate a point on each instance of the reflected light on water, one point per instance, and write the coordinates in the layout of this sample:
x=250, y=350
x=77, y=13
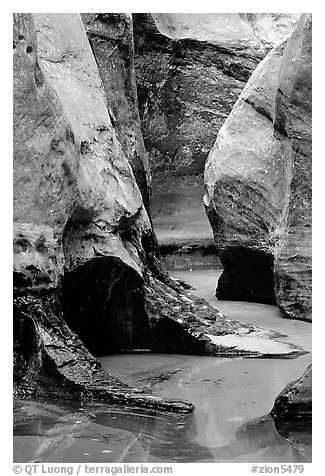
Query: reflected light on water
x=230, y=394
x=47, y=432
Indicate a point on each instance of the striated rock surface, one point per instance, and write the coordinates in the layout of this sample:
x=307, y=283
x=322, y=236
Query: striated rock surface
x=190, y=70
x=76, y=207
x=293, y=119
x=111, y=39
x=295, y=400
x=292, y=413
x=227, y=27
x=258, y=183
x=87, y=275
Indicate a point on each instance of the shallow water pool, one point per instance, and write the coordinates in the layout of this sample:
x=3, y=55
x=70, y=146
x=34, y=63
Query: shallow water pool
x=230, y=395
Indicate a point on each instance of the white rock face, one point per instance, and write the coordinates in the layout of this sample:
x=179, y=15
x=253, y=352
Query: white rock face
x=258, y=182
x=227, y=27
x=191, y=69
x=78, y=169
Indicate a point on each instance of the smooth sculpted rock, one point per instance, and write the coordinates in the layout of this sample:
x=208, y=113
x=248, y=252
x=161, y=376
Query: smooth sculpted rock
x=111, y=38
x=295, y=400
x=76, y=209
x=258, y=183
x=87, y=275
x=190, y=70
x=227, y=27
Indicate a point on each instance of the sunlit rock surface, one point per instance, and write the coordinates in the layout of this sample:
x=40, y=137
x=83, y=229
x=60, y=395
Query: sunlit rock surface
x=190, y=70
x=258, y=183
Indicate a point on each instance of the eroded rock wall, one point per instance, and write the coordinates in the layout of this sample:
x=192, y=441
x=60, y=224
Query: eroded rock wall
x=76, y=204
x=78, y=213
x=293, y=119
x=295, y=400
x=190, y=70
x=87, y=275
x=111, y=39
x=258, y=183
x=227, y=27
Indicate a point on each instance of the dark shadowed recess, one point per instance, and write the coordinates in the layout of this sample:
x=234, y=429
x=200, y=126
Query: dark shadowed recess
x=36, y=314
x=103, y=302
x=248, y=276
x=26, y=344
x=31, y=301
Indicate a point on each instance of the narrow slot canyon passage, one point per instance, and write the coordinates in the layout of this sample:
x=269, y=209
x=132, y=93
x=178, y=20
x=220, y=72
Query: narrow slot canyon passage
x=161, y=187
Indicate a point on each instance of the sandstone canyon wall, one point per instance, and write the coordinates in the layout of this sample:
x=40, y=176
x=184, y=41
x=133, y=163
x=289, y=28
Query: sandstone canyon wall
x=295, y=400
x=111, y=38
x=190, y=70
x=258, y=183
x=76, y=204
x=87, y=275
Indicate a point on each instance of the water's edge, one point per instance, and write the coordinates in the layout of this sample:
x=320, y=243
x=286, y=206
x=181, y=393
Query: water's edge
x=230, y=395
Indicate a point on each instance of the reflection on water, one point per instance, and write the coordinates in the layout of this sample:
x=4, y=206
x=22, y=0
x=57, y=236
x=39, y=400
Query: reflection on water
x=47, y=432
x=56, y=432
x=228, y=394
x=231, y=396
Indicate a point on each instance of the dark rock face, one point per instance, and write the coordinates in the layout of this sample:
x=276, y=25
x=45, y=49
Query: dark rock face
x=256, y=284
x=299, y=434
x=258, y=183
x=295, y=400
x=108, y=294
x=264, y=433
x=190, y=70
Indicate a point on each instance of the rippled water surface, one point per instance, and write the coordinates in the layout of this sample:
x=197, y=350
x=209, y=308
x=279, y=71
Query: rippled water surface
x=230, y=396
